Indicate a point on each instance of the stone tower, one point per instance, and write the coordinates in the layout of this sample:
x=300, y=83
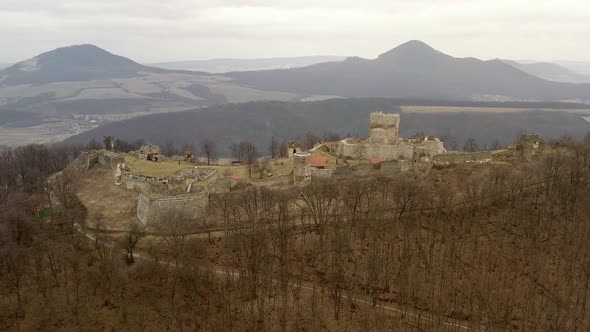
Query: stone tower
x=301, y=168
x=109, y=143
x=384, y=128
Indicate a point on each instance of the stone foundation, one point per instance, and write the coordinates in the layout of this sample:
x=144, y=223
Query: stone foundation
x=480, y=157
x=152, y=208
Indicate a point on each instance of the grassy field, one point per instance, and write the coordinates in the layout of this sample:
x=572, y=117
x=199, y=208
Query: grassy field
x=156, y=169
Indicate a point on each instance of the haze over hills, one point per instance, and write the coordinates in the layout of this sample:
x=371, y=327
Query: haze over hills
x=549, y=71
x=79, y=87
x=414, y=69
x=581, y=67
x=228, y=65
x=259, y=121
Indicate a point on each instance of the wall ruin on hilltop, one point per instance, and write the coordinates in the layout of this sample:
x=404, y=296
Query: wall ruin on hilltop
x=385, y=143
x=152, y=208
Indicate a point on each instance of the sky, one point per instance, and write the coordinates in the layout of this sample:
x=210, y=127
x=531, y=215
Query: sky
x=151, y=31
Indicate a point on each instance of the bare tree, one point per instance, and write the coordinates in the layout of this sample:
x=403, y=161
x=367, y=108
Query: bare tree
x=284, y=149
x=238, y=151
x=250, y=155
x=169, y=148
x=449, y=141
x=470, y=145
x=209, y=148
x=309, y=140
x=131, y=240
x=274, y=148
x=496, y=144
x=331, y=136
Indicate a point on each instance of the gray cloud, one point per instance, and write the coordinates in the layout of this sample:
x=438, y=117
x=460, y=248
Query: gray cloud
x=155, y=30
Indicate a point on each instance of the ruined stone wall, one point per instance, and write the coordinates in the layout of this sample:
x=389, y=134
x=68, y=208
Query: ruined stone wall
x=396, y=166
x=138, y=185
x=403, y=150
x=301, y=168
x=110, y=160
x=317, y=173
x=368, y=151
x=106, y=159
x=86, y=160
x=278, y=180
x=151, y=209
x=384, y=128
x=462, y=158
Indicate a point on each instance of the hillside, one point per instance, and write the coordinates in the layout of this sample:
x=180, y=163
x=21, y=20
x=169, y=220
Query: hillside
x=259, y=121
x=228, y=65
x=74, y=63
x=87, y=79
x=414, y=69
x=550, y=71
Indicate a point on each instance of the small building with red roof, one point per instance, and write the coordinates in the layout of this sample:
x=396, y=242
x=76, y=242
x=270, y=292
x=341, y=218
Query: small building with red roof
x=318, y=162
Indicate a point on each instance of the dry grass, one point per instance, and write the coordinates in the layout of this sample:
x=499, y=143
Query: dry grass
x=112, y=206
x=156, y=169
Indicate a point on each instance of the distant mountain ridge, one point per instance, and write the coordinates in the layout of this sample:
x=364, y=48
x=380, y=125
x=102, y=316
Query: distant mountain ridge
x=415, y=69
x=224, y=65
x=549, y=71
x=72, y=64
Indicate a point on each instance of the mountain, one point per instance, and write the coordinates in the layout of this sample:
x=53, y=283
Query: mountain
x=87, y=79
x=228, y=65
x=259, y=121
x=415, y=69
x=581, y=67
x=73, y=63
x=550, y=71
x=4, y=65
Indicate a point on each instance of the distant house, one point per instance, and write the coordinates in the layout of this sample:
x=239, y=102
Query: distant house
x=376, y=162
x=318, y=162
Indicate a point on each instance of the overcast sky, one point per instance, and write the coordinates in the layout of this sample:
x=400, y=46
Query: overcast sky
x=167, y=30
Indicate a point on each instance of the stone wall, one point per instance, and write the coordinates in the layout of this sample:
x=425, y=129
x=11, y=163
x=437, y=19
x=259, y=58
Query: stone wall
x=369, y=151
x=384, y=128
x=110, y=160
x=317, y=173
x=363, y=169
x=102, y=158
x=301, y=168
x=152, y=208
x=396, y=166
x=277, y=180
x=136, y=184
x=402, y=150
x=86, y=160
x=463, y=158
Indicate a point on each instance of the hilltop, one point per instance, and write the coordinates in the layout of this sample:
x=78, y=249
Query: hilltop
x=415, y=69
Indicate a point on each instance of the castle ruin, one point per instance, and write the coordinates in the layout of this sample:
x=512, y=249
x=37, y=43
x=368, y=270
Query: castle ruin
x=384, y=142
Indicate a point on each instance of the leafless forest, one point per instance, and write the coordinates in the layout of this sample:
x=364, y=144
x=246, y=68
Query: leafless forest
x=480, y=247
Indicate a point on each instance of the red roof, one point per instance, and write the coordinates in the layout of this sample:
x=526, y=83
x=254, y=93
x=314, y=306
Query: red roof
x=376, y=161
x=318, y=162
x=235, y=177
